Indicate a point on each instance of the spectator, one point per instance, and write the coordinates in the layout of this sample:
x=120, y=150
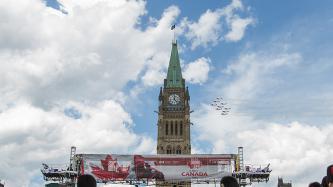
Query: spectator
x=314, y=184
x=86, y=181
x=324, y=182
x=229, y=181
x=329, y=176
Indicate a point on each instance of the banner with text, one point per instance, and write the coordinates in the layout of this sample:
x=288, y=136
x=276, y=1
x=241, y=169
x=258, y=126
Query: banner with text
x=111, y=167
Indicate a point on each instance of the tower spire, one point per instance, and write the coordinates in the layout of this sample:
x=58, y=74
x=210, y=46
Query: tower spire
x=174, y=77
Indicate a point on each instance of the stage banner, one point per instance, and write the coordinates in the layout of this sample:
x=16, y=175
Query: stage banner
x=112, y=167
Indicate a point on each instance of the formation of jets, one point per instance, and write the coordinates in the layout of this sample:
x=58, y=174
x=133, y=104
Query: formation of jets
x=220, y=106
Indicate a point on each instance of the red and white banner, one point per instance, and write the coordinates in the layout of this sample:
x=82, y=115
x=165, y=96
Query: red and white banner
x=110, y=167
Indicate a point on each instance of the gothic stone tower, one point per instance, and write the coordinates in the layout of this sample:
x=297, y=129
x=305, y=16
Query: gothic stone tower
x=174, y=111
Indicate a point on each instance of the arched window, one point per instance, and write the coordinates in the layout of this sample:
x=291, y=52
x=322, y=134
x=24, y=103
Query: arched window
x=166, y=128
x=176, y=128
x=171, y=127
x=181, y=128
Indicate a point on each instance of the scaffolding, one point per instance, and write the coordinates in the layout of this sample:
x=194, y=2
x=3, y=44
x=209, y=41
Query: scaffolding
x=71, y=158
x=61, y=174
x=241, y=158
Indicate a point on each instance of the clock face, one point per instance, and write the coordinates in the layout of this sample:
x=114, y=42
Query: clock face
x=174, y=99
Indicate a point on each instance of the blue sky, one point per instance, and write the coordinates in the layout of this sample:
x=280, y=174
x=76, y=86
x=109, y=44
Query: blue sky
x=87, y=73
x=274, y=21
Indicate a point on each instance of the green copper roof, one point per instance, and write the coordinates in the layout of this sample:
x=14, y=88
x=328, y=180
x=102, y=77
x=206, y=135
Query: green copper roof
x=174, y=78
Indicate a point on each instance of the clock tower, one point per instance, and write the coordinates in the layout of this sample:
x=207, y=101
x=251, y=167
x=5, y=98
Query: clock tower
x=174, y=111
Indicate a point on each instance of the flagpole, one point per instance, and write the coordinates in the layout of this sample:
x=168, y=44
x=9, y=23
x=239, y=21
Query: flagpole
x=173, y=27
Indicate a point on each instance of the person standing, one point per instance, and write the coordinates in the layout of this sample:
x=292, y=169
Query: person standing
x=229, y=181
x=86, y=181
x=329, y=177
x=324, y=182
x=314, y=184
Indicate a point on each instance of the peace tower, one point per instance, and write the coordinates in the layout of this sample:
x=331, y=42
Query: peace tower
x=174, y=111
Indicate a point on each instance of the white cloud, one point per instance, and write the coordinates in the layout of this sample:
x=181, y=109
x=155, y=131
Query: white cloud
x=51, y=61
x=297, y=151
x=211, y=126
x=49, y=56
x=205, y=31
x=296, y=139
x=299, y=147
x=153, y=77
x=155, y=73
x=248, y=76
x=235, y=23
x=197, y=71
x=252, y=70
x=238, y=27
x=234, y=5
x=30, y=136
x=209, y=29
x=53, y=56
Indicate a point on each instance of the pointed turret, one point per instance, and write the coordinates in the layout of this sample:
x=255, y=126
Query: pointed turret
x=174, y=78
x=187, y=94
x=160, y=97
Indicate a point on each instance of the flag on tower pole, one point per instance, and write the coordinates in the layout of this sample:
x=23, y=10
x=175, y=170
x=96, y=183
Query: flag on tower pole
x=174, y=33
